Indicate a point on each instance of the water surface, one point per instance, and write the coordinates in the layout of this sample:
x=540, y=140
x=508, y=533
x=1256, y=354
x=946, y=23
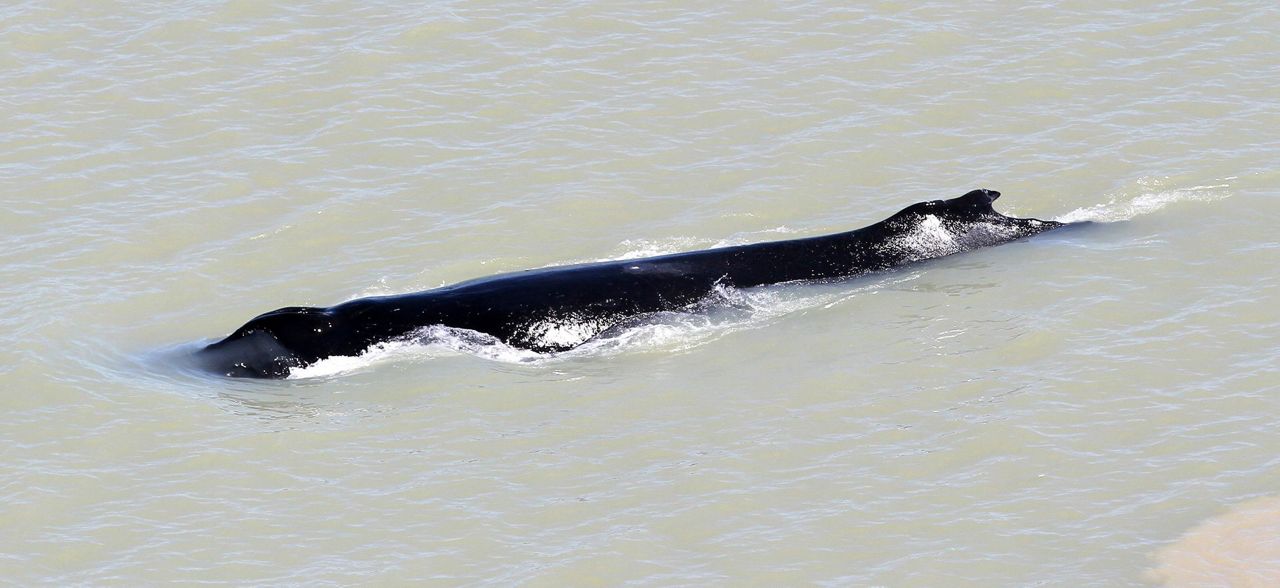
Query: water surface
x=1058, y=411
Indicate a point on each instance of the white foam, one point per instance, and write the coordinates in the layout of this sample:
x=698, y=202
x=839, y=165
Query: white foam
x=639, y=248
x=564, y=332
x=726, y=311
x=343, y=364
x=929, y=238
x=1123, y=207
x=429, y=343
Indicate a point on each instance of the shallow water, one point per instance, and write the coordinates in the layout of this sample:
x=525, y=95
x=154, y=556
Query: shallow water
x=1238, y=548
x=1057, y=411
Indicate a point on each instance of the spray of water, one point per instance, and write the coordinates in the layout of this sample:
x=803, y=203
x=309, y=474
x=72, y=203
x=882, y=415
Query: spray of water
x=726, y=310
x=1153, y=194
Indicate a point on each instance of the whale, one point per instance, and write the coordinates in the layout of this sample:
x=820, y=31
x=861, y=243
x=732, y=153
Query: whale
x=535, y=309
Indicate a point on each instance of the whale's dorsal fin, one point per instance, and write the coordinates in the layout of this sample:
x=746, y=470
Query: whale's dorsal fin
x=975, y=201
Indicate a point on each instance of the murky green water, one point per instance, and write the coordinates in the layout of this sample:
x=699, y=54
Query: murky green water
x=1052, y=412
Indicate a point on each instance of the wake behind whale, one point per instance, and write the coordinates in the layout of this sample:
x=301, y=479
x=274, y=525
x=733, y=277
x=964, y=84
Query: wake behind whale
x=561, y=308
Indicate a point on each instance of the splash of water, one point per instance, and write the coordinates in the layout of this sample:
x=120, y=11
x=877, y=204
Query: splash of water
x=927, y=239
x=932, y=238
x=1154, y=195
x=640, y=248
x=726, y=310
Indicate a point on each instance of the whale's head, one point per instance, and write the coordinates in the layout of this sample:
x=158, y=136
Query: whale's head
x=273, y=343
x=942, y=227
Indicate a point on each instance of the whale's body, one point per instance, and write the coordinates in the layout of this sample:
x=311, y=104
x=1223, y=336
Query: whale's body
x=529, y=309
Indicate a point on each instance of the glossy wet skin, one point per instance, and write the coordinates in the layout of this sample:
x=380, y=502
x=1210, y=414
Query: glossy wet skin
x=517, y=308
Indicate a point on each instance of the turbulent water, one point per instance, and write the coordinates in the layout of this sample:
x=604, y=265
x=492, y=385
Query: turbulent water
x=1094, y=406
